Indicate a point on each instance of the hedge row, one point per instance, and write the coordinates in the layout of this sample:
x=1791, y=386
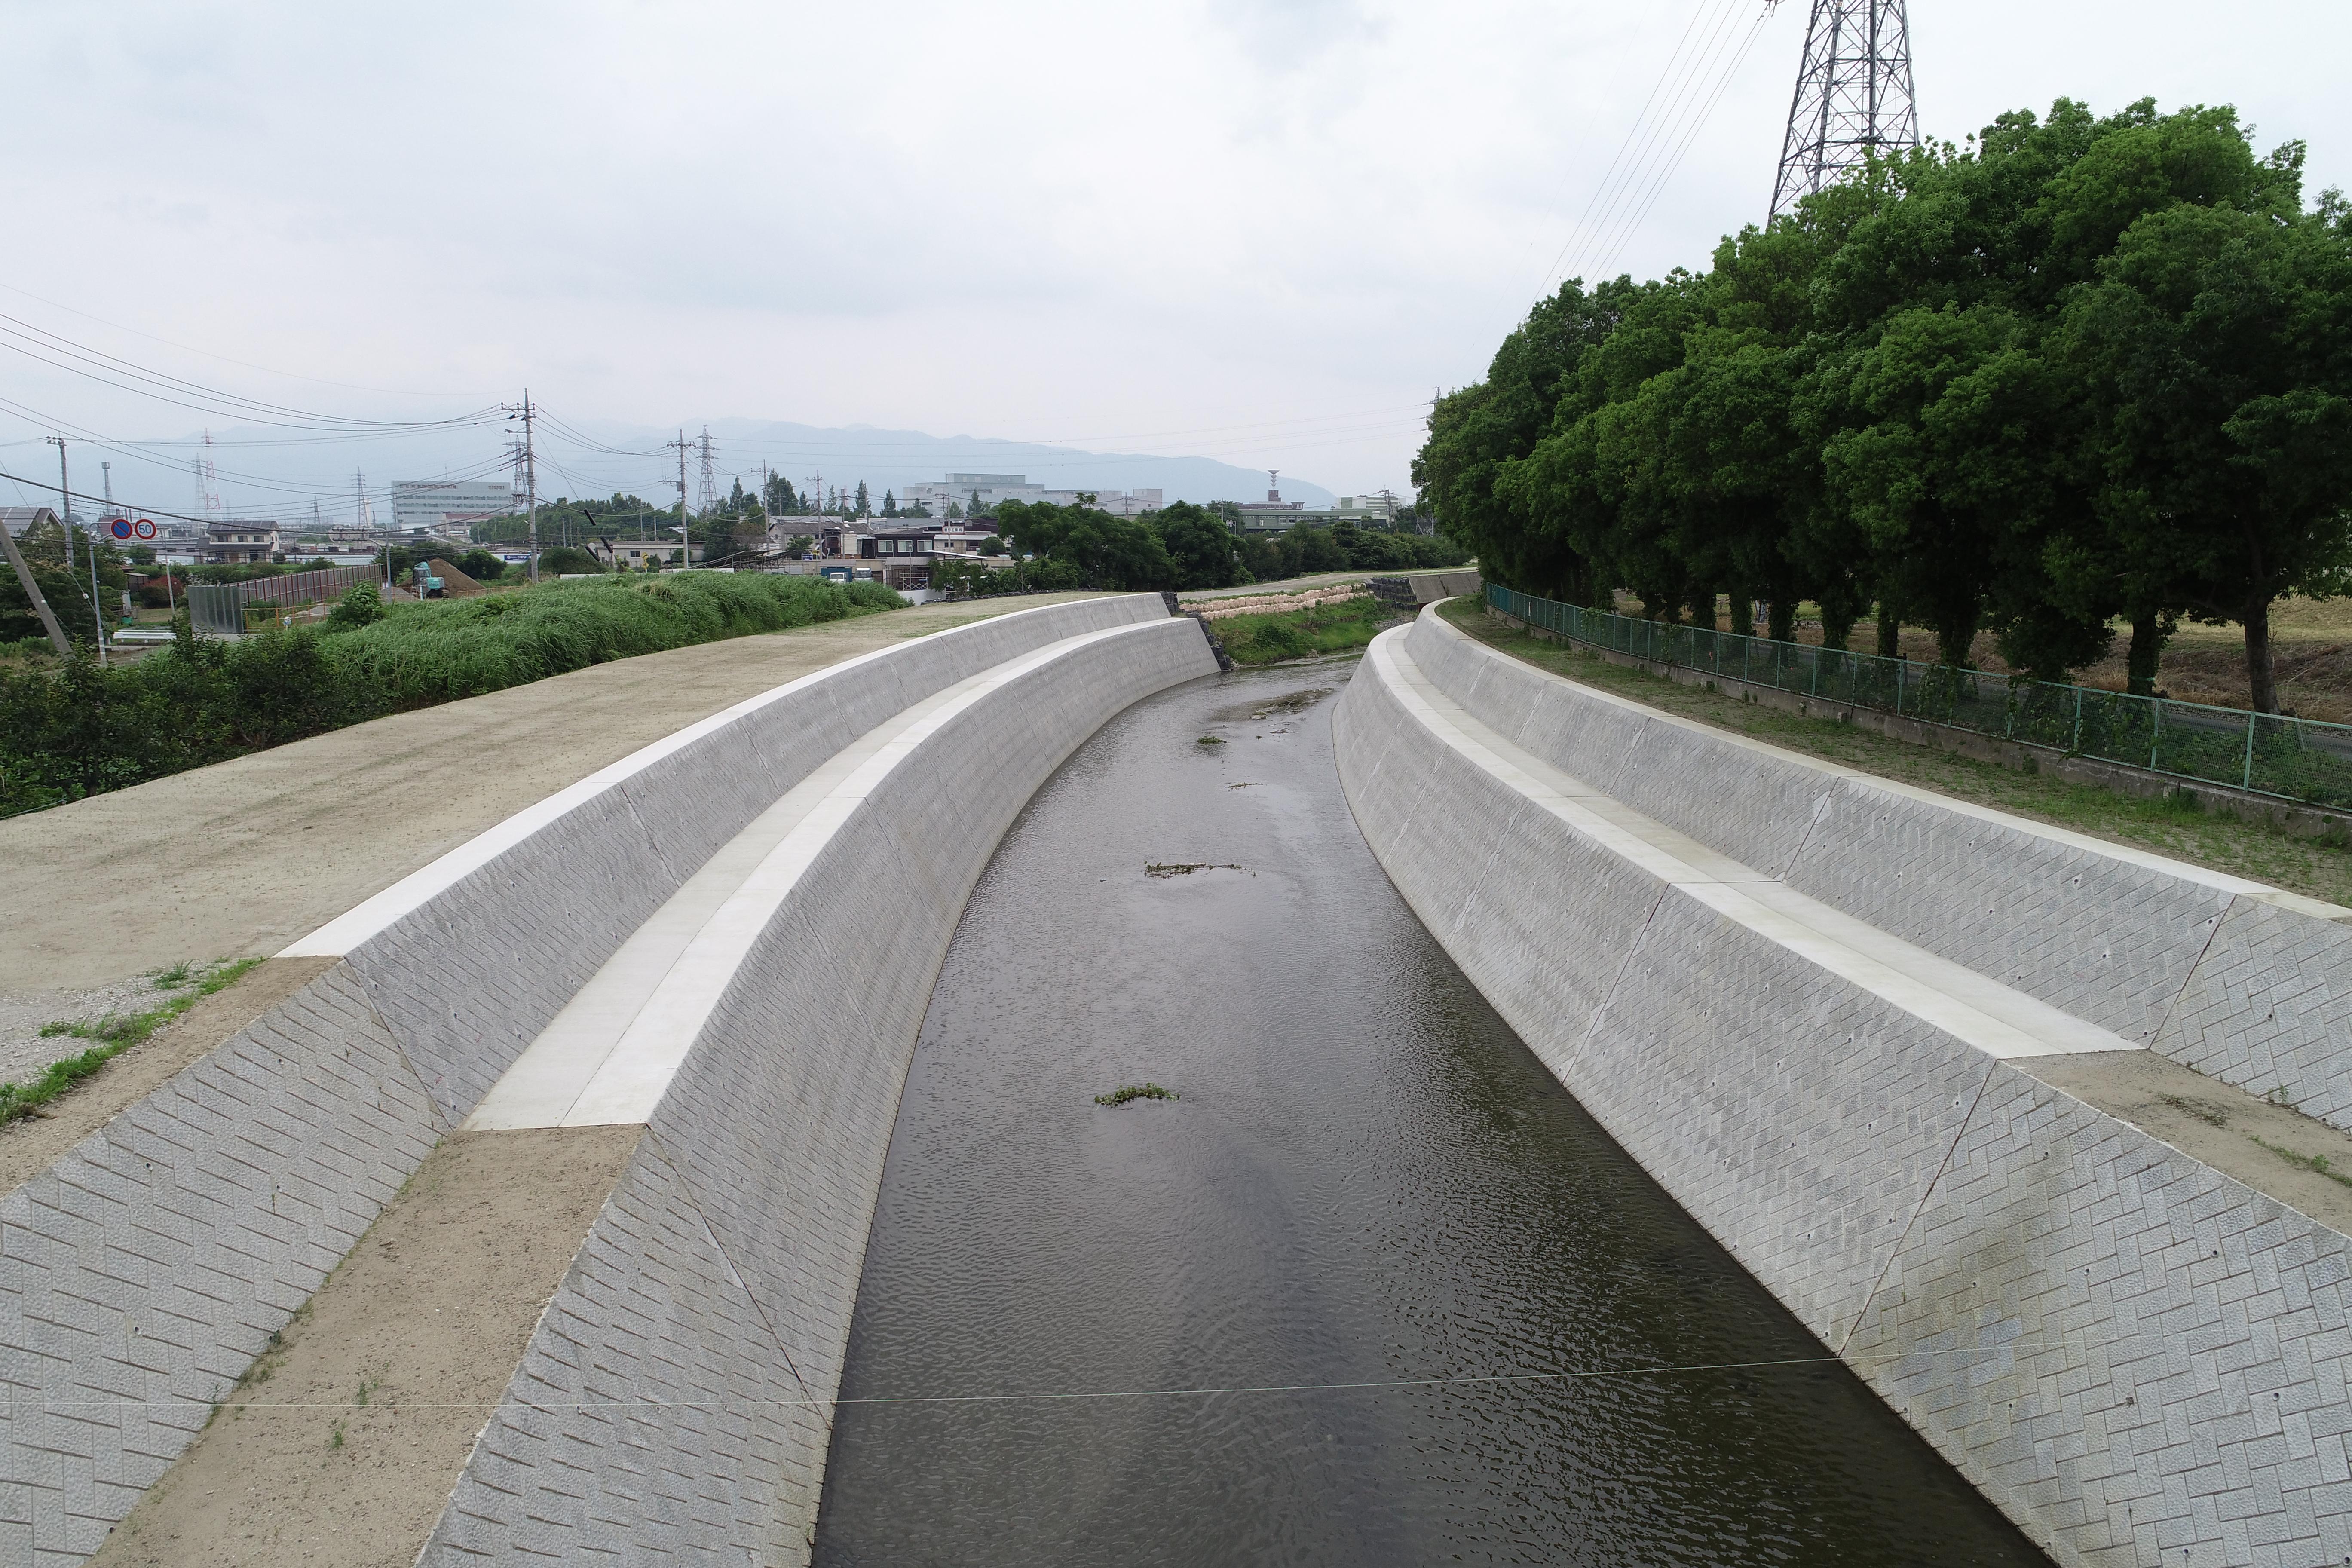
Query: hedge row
x=72, y=729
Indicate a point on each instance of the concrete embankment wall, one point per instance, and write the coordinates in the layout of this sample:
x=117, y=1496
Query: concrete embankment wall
x=706, y=1319
x=1801, y=998
x=141, y=1273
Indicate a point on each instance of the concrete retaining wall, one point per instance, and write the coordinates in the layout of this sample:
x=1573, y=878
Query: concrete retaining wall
x=2132, y=1355
x=141, y=1274
x=2240, y=981
x=706, y=1319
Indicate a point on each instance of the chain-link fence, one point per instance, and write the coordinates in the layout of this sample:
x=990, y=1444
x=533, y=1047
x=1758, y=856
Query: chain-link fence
x=2294, y=759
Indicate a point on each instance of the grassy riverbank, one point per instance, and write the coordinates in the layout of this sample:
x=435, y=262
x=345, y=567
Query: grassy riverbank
x=2168, y=824
x=1272, y=636
x=70, y=728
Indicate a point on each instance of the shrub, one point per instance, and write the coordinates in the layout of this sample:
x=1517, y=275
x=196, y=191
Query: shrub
x=361, y=606
x=70, y=729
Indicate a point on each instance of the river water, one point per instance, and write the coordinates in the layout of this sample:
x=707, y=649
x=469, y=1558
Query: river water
x=1375, y=1289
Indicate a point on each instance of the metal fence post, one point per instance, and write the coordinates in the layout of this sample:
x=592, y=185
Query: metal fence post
x=2248, y=782
x=2155, y=735
x=2076, y=745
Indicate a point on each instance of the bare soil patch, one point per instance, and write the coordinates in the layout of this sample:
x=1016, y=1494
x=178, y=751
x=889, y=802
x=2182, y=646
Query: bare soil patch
x=339, y=1446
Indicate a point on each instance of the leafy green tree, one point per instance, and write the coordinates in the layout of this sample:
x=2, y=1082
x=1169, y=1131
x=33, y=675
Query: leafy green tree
x=482, y=565
x=1102, y=551
x=864, y=505
x=1200, y=546
x=2220, y=342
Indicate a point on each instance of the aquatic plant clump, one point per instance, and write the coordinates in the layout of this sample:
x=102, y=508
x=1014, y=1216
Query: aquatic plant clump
x=1122, y=1095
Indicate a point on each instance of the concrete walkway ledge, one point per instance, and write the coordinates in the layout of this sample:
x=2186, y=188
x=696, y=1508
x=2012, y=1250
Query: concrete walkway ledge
x=1839, y=1021
x=727, y=938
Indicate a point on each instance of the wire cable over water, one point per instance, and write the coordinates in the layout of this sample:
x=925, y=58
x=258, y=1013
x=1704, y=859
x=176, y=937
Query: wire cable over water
x=1076, y=1395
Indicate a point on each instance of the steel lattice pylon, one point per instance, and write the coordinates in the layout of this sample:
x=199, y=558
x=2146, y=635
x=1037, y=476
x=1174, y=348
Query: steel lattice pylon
x=1854, y=95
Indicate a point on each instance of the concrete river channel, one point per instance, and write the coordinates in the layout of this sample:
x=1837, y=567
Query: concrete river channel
x=1374, y=1289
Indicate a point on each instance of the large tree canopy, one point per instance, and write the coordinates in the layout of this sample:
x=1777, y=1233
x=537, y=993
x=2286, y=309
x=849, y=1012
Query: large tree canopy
x=2077, y=370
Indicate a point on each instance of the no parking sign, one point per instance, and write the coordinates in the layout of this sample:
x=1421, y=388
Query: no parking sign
x=120, y=527
x=123, y=528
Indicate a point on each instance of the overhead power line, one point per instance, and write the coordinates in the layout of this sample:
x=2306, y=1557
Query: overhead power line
x=1705, y=60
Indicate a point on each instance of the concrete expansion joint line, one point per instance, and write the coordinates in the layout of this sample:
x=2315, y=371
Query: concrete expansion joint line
x=1927, y=1194
x=441, y=1123
x=1821, y=810
x=703, y=1219
x=1609, y=993
x=2172, y=1003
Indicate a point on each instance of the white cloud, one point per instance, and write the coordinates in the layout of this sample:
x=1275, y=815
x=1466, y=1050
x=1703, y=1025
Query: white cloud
x=1036, y=220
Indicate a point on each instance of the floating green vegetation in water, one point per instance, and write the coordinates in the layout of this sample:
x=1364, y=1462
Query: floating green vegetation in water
x=1185, y=868
x=1210, y=740
x=114, y=1034
x=1125, y=1092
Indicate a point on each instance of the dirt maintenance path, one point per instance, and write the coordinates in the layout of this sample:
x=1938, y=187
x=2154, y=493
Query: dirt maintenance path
x=238, y=860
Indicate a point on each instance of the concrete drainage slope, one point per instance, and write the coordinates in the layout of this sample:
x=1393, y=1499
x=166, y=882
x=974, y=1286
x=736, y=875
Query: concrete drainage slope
x=755, y=910
x=1812, y=1004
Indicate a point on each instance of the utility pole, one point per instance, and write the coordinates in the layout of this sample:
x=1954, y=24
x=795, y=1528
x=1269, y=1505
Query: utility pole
x=1854, y=96
x=32, y=592
x=685, y=539
x=65, y=517
x=529, y=485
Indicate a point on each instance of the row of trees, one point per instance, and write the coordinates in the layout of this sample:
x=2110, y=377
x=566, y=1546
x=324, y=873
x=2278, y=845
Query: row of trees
x=1184, y=546
x=2078, y=372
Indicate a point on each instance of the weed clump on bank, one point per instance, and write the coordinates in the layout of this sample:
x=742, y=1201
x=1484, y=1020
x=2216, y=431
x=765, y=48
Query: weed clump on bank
x=1122, y=1095
x=114, y=1034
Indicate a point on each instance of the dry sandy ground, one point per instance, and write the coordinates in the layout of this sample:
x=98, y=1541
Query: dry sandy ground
x=238, y=860
x=341, y=1444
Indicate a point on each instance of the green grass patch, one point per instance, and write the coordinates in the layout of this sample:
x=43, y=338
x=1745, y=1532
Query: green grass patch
x=71, y=728
x=1125, y=1092
x=2315, y=1163
x=112, y=1034
x=1276, y=635
x=2204, y=833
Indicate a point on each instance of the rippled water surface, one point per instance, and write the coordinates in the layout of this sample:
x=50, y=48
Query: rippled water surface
x=1373, y=1290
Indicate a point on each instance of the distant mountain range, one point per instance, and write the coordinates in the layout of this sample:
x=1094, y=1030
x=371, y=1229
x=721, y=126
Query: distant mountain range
x=259, y=473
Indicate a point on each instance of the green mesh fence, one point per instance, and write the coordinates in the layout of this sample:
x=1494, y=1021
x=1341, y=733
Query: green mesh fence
x=2294, y=759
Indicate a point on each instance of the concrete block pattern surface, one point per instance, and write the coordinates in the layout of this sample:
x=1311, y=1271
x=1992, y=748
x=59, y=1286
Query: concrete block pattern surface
x=2117, y=937
x=141, y=1274
x=2135, y=1356
x=755, y=1190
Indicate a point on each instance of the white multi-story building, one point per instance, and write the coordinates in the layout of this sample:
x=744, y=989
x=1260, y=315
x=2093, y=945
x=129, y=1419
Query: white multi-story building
x=430, y=506
x=992, y=488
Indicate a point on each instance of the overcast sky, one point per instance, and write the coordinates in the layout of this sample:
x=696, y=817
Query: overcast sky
x=1261, y=230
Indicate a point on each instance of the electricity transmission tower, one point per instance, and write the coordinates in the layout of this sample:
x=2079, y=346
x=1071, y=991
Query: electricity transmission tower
x=706, y=498
x=1854, y=96
x=208, y=500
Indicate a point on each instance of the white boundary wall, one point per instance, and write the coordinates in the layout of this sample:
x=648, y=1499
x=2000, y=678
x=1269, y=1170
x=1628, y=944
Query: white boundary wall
x=141, y=1273
x=2128, y=1352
